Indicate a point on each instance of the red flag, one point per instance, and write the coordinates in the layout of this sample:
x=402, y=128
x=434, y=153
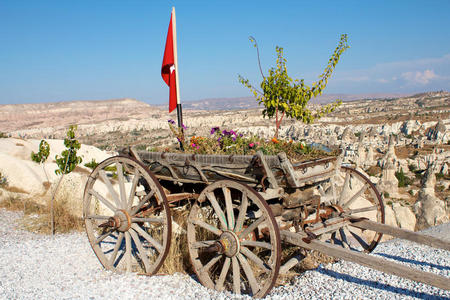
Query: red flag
x=168, y=69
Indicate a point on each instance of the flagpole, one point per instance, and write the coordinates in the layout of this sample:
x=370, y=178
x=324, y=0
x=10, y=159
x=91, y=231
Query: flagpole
x=175, y=55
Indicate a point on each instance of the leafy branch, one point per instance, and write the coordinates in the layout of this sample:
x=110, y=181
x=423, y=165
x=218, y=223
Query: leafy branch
x=282, y=96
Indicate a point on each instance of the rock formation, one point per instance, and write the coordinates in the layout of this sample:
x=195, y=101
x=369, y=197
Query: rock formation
x=429, y=209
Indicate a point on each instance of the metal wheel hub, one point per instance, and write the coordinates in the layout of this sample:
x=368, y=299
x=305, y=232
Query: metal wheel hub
x=230, y=243
x=120, y=221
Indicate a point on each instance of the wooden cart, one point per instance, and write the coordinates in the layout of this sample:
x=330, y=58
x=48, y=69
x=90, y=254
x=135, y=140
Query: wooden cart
x=243, y=209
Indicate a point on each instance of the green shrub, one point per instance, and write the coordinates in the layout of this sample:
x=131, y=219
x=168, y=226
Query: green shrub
x=92, y=164
x=3, y=135
x=386, y=195
x=43, y=153
x=69, y=159
x=412, y=167
x=403, y=180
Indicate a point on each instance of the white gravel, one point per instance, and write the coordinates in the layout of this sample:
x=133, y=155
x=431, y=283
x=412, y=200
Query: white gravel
x=65, y=267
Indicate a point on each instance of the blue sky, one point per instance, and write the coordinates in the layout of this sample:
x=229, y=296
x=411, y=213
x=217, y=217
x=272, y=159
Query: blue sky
x=89, y=50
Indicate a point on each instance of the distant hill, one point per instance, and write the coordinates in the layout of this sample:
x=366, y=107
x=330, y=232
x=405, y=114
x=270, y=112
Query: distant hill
x=250, y=102
x=19, y=116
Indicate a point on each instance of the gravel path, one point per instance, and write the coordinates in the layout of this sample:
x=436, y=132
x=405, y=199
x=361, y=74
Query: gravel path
x=65, y=267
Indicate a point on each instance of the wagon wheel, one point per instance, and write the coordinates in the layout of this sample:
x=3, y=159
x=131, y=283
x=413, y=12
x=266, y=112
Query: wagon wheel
x=127, y=216
x=351, y=194
x=234, y=240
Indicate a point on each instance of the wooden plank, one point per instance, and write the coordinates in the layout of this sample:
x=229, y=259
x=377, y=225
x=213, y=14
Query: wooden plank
x=409, y=235
x=367, y=260
x=208, y=159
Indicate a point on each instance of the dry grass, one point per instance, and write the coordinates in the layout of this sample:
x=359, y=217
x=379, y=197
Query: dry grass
x=177, y=259
x=36, y=217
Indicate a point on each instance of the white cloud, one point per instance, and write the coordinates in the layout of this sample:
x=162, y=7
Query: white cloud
x=424, y=73
x=420, y=77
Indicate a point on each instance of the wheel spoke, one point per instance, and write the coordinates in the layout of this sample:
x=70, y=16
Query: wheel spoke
x=360, y=240
x=249, y=273
x=236, y=276
x=110, y=187
x=97, y=217
x=217, y=209
x=242, y=212
x=146, y=236
x=223, y=274
x=128, y=251
x=333, y=189
x=142, y=202
x=103, y=200
x=253, y=257
x=133, y=189
x=104, y=236
x=256, y=244
x=149, y=220
x=343, y=240
x=229, y=206
x=333, y=239
x=211, y=263
x=360, y=210
x=116, y=248
x=207, y=226
x=252, y=227
x=140, y=248
x=203, y=244
x=121, y=184
x=344, y=187
x=355, y=196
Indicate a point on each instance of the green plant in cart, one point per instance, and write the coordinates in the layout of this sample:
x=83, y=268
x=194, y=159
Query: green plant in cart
x=282, y=96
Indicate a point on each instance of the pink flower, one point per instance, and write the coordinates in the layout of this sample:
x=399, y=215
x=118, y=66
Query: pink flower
x=251, y=145
x=193, y=145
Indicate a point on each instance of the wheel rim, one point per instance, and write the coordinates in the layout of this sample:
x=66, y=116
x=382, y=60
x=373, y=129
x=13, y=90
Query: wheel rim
x=351, y=194
x=127, y=216
x=233, y=240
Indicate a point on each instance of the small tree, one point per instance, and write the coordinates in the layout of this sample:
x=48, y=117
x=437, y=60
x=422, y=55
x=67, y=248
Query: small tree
x=282, y=96
x=66, y=164
x=41, y=156
x=69, y=159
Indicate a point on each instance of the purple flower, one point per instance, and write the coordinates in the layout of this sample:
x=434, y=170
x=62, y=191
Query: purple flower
x=214, y=129
x=171, y=121
x=225, y=132
x=233, y=133
x=184, y=126
x=219, y=138
x=234, y=139
x=241, y=135
x=178, y=139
